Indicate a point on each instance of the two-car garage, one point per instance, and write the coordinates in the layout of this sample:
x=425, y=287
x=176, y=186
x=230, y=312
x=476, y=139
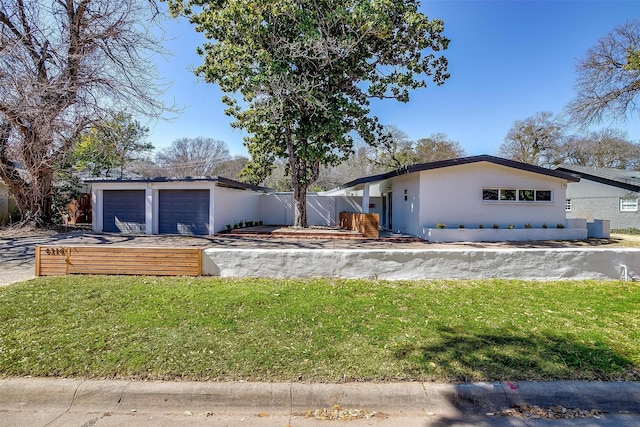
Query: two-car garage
x=172, y=205
x=179, y=211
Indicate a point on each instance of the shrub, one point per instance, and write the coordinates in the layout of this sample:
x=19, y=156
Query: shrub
x=441, y=225
x=229, y=227
x=495, y=226
x=510, y=226
x=527, y=226
x=461, y=226
x=481, y=226
x=544, y=225
x=559, y=225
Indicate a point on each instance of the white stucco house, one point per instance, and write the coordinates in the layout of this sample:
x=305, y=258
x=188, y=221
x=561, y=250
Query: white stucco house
x=471, y=192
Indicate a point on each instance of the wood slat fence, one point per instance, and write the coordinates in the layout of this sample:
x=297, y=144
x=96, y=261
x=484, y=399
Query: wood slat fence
x=106, y=259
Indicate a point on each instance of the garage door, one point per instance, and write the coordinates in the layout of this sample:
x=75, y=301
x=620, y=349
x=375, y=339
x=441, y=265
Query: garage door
x=183, y=212
x=124, y=211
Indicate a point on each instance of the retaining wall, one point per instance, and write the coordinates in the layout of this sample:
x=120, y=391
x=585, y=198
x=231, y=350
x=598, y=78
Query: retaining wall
x=400, y=264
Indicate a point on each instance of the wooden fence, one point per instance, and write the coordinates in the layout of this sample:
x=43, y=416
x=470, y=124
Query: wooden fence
x=106, y=259
x=367, y=224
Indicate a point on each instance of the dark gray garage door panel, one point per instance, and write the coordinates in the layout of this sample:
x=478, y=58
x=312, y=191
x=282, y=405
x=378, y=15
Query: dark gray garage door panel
x=183, y=212
x=123, y=211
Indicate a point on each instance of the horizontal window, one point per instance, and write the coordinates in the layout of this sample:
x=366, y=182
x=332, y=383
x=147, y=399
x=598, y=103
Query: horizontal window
x=516, y=195
x=628, y=205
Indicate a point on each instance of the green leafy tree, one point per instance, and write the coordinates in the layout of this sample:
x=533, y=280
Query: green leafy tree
x=608, y=83
x=109, y=146
x=306, y=70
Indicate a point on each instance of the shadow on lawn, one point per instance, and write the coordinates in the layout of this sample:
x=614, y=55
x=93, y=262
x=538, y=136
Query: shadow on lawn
x=503, y=356
x=463, y=356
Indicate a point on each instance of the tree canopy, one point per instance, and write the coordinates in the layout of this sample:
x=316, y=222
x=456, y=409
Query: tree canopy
x=608, y=83
x=533, y=140
x=199, y=156
x=305, y=71
x=65, y=65
x=107, y=147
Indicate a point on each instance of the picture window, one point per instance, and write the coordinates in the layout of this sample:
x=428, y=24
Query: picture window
x=516, y=195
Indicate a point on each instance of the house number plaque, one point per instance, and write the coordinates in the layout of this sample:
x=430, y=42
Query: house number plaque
x=55, y=251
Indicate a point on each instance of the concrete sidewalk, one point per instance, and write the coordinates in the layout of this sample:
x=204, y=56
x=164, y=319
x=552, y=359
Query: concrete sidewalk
x=71, y=402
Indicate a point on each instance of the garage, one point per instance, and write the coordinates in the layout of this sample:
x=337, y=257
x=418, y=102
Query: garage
x=123, y=211
x=183, y=212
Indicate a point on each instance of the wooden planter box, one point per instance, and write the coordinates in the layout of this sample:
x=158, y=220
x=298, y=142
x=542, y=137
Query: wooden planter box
x=107, y=259
x=367, y=224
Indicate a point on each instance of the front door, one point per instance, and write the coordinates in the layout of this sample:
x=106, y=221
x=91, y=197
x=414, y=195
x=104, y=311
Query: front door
x=389, y=211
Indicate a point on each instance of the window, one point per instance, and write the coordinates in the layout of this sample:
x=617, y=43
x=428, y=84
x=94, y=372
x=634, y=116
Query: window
x=629, y=205
x=543, y=195
x=516, y=195
x=567, y=205
x=526, y=195
x=507, y=194
x=489, y=194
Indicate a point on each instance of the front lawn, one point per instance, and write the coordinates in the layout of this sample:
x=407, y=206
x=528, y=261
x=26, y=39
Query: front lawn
x=319, y=330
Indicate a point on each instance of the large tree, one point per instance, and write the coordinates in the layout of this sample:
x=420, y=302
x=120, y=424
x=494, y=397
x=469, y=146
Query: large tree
x=305, y=71
x=608, y=82
x=63, y=66
x=199, y=156
x=606, y=148
x=533, y=140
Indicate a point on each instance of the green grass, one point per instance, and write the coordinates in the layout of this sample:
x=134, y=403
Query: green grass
x=319, y=330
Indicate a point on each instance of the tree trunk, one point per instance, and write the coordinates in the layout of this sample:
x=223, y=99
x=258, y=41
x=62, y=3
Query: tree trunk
x=300, y=203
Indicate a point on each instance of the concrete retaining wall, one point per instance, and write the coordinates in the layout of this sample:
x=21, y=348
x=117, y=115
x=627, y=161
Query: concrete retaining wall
x=400, y=264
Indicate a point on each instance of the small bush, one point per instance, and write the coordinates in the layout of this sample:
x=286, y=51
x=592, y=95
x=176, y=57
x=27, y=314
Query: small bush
x=260, y=222
x=544, y=225
x=510, y=226
x=481, y=226
x=236, y=226
x=249, y=223
x=229, y=227
x=495, y=226
x=441, y=225
x=461, y=226
x=527, y=226
x=559, y=225
x=626, y=230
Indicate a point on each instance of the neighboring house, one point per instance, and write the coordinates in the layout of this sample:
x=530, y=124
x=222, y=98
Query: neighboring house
x=468, y=191
x=8, y=206
x=604, y=193
x=4, y=203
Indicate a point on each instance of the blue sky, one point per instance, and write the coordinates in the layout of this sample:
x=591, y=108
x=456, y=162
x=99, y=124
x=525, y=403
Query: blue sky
x=508, y=60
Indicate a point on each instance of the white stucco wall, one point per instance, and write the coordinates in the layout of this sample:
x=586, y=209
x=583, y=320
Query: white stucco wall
x=405, y=264
x=232, y=206
x=453, y=196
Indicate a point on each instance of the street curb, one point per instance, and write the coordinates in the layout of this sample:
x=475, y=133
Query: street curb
x=21, y=393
